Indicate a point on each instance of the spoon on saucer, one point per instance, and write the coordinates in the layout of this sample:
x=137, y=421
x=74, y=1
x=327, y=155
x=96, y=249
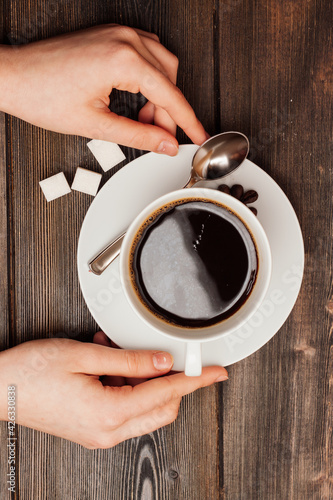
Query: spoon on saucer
x=217, y=157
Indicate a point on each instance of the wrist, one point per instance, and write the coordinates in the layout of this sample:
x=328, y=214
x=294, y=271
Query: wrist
x=3, y=387
x=7, y=393
x=9, y=81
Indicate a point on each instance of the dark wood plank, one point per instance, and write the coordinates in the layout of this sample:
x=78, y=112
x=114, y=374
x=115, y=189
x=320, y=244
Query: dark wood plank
x=47, y=296
x=277, y=406
x=269, y=77
x=191, y=37
x=4, y=287
x=4, y=283
x=4, y=319
x=188, y=471
x=168, y=463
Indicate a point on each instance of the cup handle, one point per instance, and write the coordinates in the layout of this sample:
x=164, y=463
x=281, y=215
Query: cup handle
x=193, y=359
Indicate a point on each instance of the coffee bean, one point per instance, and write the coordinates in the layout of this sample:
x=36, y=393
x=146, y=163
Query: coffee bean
x=249, y=197
x=224, y=188
x=237, y=191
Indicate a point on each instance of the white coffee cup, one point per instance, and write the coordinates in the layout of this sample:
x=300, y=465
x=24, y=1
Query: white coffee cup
x=194, y=337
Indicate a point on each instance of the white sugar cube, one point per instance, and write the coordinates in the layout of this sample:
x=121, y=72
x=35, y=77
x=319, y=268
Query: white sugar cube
x=86, y=181
x=108, y=154
x=55, y=186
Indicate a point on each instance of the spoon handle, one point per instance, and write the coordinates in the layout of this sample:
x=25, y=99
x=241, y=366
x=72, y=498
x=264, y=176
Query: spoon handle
x=99, y=263
x=104, y=259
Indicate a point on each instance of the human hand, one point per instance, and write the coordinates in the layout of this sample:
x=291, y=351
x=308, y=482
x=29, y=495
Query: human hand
x=63, y=84
x=58, y=390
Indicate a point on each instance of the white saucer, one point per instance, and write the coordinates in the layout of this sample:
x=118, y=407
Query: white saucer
x=126, y=194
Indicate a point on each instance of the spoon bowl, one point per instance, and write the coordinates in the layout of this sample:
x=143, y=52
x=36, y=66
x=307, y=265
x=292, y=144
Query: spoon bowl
x=219, y=156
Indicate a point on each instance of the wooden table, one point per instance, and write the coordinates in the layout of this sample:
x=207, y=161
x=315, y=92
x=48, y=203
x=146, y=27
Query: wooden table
x=260, y=67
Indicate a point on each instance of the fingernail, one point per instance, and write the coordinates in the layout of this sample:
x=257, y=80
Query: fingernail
x=221, y=378
x=167, y=148
x=207, y=136
x=162, y=360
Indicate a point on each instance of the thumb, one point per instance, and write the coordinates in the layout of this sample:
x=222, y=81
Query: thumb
x=111, y=127
x=95, y=359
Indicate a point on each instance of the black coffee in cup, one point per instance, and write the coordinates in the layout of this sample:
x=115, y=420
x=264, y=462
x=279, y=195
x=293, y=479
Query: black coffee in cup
x=193, y=263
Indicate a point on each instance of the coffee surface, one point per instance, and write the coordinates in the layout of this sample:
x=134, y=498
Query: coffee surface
x=194, y=263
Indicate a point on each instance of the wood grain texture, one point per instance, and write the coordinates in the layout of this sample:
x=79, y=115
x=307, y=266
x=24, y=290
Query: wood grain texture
x=4, y=319
x=264, y=69
x=186, y=28
x=5, y=340
x=164, y=464
x=277, y=406
x=48, y=301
